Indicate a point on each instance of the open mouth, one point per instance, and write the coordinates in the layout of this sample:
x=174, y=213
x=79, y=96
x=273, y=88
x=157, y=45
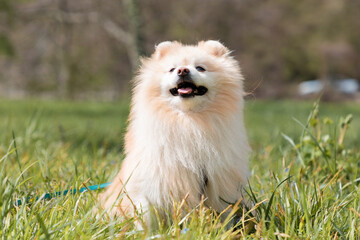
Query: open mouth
x=187, y=89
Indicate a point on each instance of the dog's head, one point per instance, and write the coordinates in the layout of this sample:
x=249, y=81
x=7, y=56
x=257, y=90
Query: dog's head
x=192, y=78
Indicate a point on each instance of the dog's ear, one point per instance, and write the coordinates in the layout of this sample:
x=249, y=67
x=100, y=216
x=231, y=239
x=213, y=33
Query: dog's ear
x=162, y=48
x=214, y=47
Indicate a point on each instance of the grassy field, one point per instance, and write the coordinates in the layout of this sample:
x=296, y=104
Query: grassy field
x=61, y=145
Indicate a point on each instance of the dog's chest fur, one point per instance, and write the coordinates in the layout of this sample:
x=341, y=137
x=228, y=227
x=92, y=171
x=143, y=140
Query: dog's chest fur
x=183, y=157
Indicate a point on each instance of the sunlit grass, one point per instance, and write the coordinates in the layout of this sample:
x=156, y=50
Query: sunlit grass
x=304, y=184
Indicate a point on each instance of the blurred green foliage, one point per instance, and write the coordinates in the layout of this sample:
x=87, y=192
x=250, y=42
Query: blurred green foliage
x=6, y=47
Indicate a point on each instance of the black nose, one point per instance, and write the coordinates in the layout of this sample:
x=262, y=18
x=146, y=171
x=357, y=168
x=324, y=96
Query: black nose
x=183, y=72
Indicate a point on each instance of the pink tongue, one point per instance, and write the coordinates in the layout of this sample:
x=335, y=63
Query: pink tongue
x=185, y=90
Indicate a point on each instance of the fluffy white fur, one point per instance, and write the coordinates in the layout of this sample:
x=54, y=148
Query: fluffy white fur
x=172, y=142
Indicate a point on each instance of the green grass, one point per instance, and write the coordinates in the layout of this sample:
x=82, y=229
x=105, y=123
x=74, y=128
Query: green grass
x=61, y=145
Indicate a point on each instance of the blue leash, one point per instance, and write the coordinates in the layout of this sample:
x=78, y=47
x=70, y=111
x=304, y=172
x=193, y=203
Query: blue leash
x=72, y=191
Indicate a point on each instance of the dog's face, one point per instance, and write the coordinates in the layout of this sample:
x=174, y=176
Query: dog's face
x=190, y=78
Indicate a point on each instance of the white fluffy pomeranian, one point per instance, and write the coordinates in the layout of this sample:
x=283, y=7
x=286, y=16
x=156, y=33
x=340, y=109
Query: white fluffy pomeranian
x=186, y=134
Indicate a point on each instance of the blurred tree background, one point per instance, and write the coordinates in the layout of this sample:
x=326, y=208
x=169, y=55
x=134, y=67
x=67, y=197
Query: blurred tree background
x=90, y=48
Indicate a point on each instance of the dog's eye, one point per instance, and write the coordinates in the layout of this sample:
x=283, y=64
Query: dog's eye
x=200, y=69
x=171, y=70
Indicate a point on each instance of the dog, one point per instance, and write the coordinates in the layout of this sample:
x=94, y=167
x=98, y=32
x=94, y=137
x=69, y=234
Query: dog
x=186, y=134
